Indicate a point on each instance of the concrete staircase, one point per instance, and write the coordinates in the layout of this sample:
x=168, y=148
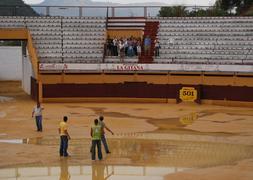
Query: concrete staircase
x=151, y=29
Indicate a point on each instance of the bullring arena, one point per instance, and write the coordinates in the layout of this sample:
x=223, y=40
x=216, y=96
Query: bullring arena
x=185, y=114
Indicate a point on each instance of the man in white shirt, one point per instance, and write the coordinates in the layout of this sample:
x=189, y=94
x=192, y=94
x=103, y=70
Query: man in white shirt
x=103, y=138
x=37, y=112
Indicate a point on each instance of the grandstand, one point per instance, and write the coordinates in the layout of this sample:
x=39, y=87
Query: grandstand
x=210, y=54
x=209, y=40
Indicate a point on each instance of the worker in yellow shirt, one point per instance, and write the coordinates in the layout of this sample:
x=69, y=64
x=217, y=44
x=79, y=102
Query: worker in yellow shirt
x=64, y=136
x=96, y=132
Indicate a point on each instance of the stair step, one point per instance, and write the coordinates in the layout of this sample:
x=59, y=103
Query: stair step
x=151, y=30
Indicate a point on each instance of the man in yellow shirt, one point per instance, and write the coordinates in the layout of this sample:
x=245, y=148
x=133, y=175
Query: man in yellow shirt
x=96, y=132
x=64, y=136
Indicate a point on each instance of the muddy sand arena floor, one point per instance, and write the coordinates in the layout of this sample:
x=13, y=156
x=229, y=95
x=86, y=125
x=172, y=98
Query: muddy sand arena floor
x=151, y=141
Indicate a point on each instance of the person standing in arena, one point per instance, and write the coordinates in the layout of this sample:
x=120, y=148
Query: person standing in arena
x=64, y=137
x=37, y=112
x=103, y=138
x=96, y=132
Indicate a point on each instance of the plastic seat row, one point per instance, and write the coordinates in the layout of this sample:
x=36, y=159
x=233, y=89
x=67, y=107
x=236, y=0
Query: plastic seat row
x=193, y=51
x=84, y=51
x=85, y=18
x=82, y=55
x=189, y=25
x=206, y=30
x=210, y=47
x=197, y=18
x=83, y=29
x=210, y=38
x=206, y=34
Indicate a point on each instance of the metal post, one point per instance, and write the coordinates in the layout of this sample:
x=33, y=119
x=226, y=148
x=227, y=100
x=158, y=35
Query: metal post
x=47, y=11
x=14, y=11
x=145, y=11
x=113, y=11
x=80, y=11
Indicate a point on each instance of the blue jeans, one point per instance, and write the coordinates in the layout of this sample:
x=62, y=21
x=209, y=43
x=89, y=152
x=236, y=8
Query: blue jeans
x=38, y=122
x=103, y=139
x=93, y=149
x=64, y=146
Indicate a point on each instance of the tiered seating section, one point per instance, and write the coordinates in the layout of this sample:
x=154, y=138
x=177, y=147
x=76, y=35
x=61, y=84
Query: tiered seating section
x=205, y=40
x=63, y=39
x=208, y=40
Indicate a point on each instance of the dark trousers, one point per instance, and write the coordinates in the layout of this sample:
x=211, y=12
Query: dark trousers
x=93, y=149
x=103, y=139
x=38, y=122
x=64, y=146
x=157, y=51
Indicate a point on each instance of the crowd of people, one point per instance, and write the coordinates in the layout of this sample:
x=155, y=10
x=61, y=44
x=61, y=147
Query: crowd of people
x=130, y=47
x=123, y=47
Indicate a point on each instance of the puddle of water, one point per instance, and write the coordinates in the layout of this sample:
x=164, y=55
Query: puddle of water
x=147, y=159
x=164, y=124
x=188, y=119
x=2, y=114
x=6, y=99
x=159, y=152
x=12, y=141
x=64, y=171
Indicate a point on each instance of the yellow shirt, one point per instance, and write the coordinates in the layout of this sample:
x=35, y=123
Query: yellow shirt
x=63, y=127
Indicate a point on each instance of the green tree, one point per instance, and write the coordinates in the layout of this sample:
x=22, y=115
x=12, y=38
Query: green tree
x=173, y=11
x=10, y=43
x=239, y=6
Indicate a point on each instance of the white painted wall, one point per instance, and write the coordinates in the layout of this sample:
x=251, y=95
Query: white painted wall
x=10, y=63
x=14, y=67
x=26, y=75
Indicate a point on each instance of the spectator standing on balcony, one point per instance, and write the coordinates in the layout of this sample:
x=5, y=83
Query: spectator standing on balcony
x=135, y=47
x=121, y=51
x=125, y=42
x=171, y=42
x=130, y=51
x=109, y=46
x=138, y=48
x=157, y=47
x=147, y=45
x=114, y=47
x=37, y=112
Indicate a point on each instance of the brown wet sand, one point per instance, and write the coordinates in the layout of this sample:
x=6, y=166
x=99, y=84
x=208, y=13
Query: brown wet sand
x=151, y=141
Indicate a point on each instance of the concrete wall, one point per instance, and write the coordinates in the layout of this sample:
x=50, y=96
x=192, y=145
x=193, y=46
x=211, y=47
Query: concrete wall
x=10, y=63
x=26, y=75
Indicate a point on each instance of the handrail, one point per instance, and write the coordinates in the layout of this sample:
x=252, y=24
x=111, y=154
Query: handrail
x=79, y=9
x=33, y=54
x=106, y=6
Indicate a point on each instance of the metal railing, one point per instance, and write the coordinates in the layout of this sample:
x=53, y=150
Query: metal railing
x=102, y=11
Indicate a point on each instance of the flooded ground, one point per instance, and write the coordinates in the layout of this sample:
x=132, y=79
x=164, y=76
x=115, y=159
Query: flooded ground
x=151, y=141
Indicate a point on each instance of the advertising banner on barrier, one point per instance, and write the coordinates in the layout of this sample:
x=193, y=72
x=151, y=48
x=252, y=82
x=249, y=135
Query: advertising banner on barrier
x=143, y=67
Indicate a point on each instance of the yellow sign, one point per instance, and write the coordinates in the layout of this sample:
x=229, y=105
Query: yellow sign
x=188, y=94
x=189, y=119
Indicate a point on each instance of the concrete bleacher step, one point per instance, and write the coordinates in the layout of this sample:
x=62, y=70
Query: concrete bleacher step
x=219, y=40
